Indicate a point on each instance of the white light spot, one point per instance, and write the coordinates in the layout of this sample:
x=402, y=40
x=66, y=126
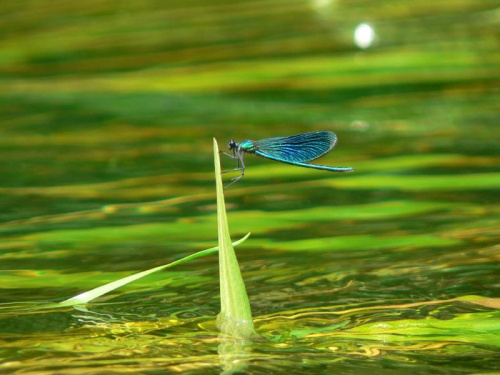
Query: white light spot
x=321, y=3
x=364, y=35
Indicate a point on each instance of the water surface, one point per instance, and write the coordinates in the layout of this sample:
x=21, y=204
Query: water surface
x=107, y=113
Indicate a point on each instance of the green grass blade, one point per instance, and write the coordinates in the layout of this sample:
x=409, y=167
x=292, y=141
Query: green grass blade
x=103, y=289
x=235, y=317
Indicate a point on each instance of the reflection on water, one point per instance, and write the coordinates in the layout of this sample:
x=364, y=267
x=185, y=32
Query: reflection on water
x=107, y=115
x=234, y=355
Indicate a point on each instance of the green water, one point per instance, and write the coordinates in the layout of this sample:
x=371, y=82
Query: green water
x=107, y=113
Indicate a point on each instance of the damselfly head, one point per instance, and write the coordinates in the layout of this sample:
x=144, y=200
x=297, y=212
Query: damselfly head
x=232, y=144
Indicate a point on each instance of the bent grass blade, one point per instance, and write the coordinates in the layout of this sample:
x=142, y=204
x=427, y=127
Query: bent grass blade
x=90, y=295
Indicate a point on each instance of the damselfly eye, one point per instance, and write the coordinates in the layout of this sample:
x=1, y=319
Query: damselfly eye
x=231, y=144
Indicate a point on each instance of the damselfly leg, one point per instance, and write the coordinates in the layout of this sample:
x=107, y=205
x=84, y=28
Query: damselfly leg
x=240, y=166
